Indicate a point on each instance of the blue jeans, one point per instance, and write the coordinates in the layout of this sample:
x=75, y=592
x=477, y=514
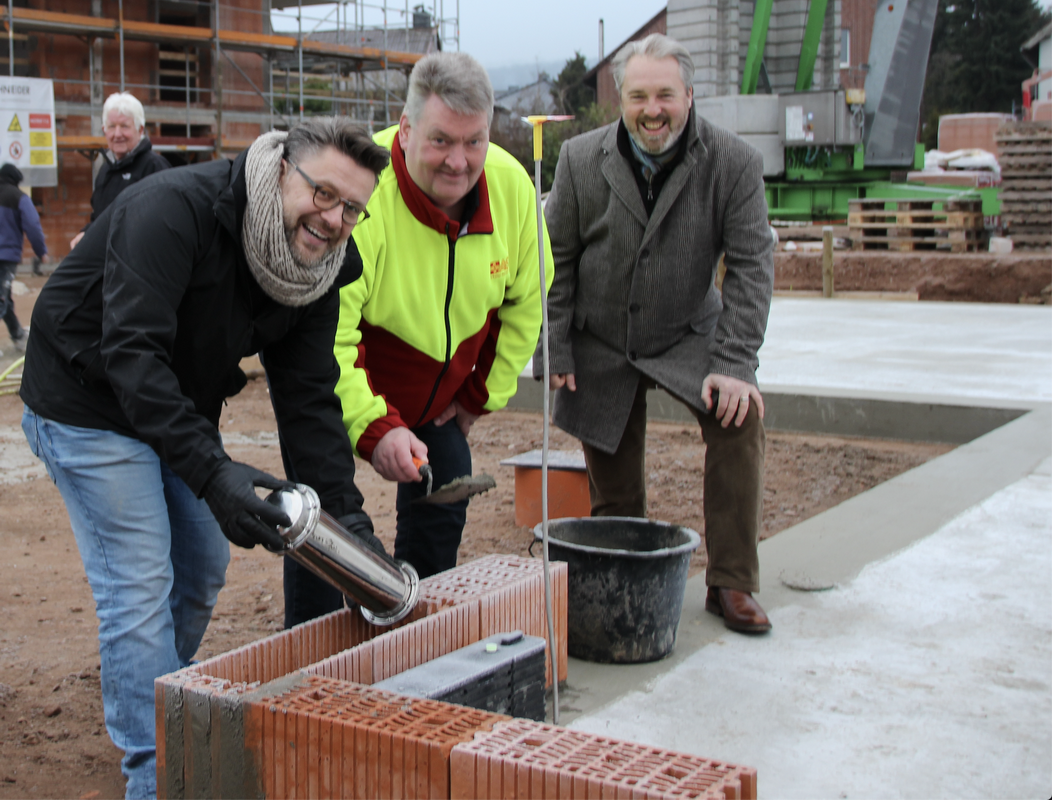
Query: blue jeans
x=155, y=559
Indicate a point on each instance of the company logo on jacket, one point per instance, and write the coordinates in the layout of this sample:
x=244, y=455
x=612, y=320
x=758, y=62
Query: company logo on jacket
x=498, y=267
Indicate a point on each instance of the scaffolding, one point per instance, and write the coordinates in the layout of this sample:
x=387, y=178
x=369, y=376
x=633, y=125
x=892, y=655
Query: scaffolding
x=336, y=59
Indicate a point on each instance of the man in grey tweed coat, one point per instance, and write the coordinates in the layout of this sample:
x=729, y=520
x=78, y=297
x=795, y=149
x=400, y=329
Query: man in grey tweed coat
x=639, y=214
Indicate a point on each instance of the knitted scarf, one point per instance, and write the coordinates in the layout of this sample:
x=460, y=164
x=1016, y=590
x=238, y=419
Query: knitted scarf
x=652, y=163
x=263, y=232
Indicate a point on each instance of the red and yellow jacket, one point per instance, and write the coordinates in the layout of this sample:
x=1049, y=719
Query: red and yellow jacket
x=436, y=316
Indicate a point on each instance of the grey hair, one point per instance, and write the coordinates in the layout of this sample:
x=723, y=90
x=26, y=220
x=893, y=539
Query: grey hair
x=353, y=140
x=457, y=79
x=124, y=103
x=656, y=45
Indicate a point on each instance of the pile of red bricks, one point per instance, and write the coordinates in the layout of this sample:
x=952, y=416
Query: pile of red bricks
x=293, y=715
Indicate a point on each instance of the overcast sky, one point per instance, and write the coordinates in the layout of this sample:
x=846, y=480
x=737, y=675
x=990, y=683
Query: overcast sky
x=501, y=33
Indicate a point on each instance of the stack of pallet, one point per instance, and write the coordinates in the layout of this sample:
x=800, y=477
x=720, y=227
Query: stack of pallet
x=1026, y=183
x=909, y=224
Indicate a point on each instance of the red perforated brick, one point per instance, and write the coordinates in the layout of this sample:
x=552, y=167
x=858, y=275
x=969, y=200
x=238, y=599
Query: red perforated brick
x=270, y=658
x=205, y=712
x=525, y=759
x=510, y=594
x=473, y=579
x=327, y=738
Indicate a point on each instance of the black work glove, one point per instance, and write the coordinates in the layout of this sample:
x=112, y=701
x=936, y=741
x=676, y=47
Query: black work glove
x=361, y=526
x=246, y=520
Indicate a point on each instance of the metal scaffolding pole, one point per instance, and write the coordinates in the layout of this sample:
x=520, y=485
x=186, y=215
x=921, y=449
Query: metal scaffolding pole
x=186, y=57
x=299, y=49
x=10, y=38
x=387, y=104
x=218, y=71
x=120, y=34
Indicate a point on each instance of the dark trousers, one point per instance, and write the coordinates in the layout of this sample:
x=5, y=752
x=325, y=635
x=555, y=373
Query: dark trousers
x=733, y=488
x=428, y=534
x=7, y=302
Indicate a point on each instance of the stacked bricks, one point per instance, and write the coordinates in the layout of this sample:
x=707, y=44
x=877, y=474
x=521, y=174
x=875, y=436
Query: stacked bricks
x=525, y=759
x=327, y=738
x=403, y=648
x=1026, y=183
x=200, y=709
x=293, y=715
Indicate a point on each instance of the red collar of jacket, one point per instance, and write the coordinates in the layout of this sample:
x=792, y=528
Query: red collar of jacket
x=427, y=213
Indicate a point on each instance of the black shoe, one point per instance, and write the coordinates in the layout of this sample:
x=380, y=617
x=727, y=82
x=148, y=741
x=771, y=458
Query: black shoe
x=20, y=342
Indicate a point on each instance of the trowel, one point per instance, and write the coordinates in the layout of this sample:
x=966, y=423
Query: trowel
x=456, y=490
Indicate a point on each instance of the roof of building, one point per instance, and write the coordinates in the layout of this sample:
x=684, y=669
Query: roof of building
x=1037, y=38
x=589, y=78
x=528, y=98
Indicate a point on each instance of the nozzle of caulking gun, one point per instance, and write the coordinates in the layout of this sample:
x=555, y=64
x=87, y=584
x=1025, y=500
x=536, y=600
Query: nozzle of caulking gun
x=425, y=471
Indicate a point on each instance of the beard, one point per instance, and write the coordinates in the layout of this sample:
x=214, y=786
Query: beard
x=656, y=148
x=304, y=258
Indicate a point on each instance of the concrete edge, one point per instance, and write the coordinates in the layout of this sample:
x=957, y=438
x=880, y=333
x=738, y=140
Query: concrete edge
x=838, y=412
x=832, y=547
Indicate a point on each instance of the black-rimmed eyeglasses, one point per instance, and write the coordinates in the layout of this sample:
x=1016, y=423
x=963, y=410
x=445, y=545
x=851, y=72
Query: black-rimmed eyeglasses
x=326, y=199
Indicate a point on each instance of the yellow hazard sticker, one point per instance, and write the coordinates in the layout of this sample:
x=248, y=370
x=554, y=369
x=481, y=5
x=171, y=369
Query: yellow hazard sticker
x=40, y=138
x=41, y=158
x=14, y=126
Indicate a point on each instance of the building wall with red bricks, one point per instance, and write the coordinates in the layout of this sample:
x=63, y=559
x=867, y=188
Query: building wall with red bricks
x=66, y=59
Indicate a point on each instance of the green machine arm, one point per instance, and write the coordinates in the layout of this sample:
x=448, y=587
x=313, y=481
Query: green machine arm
x=761, y=18
x=816, y=16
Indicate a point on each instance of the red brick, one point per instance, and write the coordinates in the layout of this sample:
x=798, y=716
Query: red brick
x=524, y=759
x=400, y=746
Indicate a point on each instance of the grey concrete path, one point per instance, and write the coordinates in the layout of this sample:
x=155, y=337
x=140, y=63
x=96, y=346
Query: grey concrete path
x=970, y=352
x=924, y=667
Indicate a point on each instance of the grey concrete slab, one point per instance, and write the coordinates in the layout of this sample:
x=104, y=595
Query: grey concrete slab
x=929, y=675
x=911, y=654
x=832, y=547
x=982, y=353
x=943, y=372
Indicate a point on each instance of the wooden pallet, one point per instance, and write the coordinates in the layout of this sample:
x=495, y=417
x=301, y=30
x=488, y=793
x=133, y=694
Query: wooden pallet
x=1026, y=187
x=907, y=225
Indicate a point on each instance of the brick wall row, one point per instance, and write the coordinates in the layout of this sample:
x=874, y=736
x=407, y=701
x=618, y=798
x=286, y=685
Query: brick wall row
x=294, y=715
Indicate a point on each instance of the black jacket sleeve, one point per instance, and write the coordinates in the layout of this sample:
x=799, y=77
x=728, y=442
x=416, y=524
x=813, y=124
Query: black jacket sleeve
x=302, y=372
x=149, y=264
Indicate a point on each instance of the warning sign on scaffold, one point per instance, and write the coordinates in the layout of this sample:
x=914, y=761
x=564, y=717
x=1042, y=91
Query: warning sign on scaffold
x=27, y=129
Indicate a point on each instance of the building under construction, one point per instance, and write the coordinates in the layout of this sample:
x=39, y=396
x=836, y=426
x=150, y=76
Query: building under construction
x=212, y=76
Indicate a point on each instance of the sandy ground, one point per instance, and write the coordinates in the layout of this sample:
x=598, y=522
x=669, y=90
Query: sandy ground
x=53, y=743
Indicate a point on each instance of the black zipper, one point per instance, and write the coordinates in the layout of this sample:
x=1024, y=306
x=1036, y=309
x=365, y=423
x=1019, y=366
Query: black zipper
x=449, y=334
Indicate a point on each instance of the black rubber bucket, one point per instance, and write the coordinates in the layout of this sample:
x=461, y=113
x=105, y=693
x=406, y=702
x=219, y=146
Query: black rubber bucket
x=627, y=577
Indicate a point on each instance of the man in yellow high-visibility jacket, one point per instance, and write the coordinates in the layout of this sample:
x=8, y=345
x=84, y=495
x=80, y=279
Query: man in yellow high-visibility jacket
x=446, y=314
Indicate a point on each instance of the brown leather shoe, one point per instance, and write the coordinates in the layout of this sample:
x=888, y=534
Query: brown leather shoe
x=739, y=610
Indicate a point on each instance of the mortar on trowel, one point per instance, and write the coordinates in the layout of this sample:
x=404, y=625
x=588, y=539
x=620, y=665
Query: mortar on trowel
x=385, y=589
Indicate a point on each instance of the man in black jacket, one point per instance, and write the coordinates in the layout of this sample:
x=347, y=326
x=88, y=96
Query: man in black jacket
x=137, y=338
x=129, y=156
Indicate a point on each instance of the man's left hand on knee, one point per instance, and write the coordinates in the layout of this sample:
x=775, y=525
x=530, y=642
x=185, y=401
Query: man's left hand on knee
x=732, y=398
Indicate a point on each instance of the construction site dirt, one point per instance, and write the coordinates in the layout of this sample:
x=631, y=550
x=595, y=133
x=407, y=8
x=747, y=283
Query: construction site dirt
x=53, y=742
x=921, y=275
